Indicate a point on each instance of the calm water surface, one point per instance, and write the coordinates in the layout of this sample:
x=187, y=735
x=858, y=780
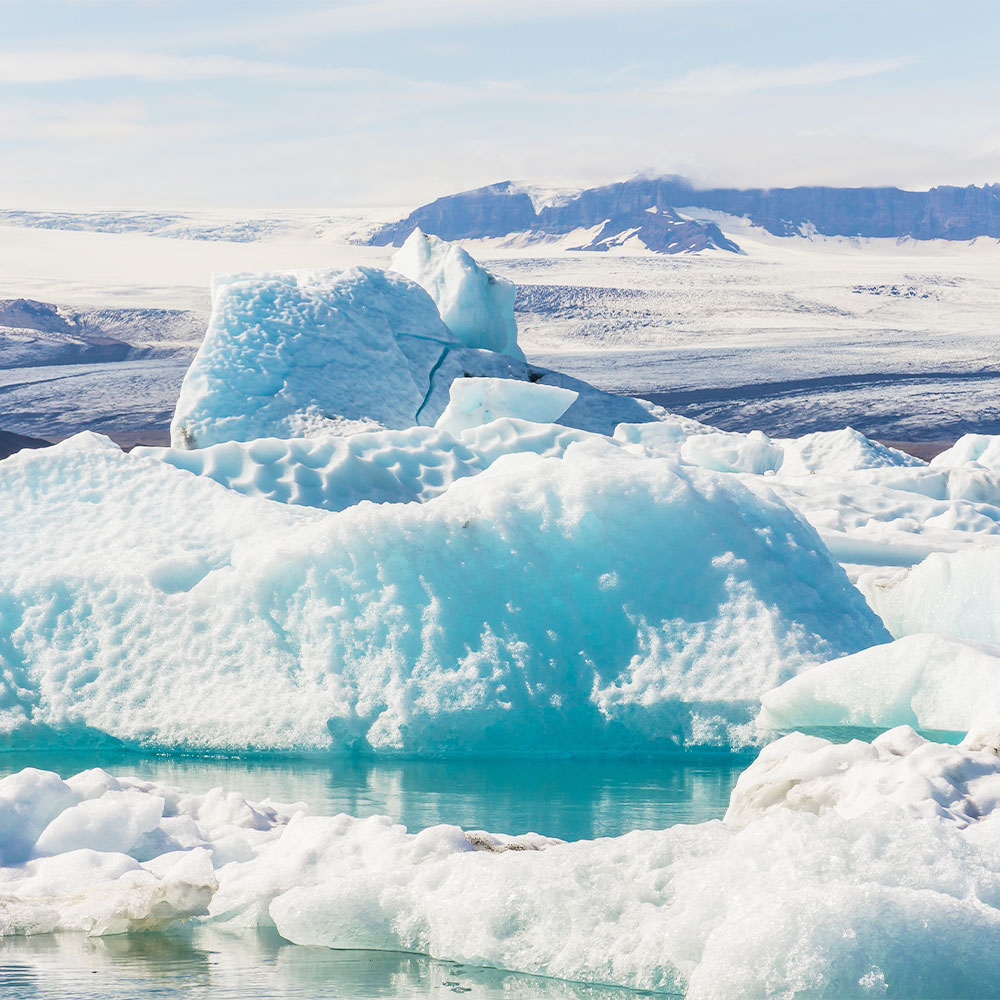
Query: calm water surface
x=571, y=799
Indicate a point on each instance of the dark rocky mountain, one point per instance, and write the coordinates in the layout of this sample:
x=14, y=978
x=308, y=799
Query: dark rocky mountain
x=951, y=213
x=662, y=230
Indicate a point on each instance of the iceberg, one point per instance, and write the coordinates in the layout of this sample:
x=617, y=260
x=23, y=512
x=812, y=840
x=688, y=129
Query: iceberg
x=289, y=353
x=955, y=593
x=593, y=602
x=297, y=354
x=839, y=870
x=972, y=450
x=930, y=682
x=477, y=306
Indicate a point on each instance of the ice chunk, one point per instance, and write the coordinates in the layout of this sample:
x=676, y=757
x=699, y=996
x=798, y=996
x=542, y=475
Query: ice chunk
x=594, y=601
x=477, y=306
x=478, y=401
x=808, y=774
x=753, y=452
x=293, y=352
x=955, y=594
x=980, y=450
x=833, y=452
x=113, y=822
x=927, y=681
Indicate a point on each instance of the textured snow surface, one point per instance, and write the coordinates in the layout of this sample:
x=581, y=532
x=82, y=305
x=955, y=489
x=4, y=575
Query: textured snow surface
x=477, y=306
x=872, y=506
x=926, y=681
x=335, y=473
x=595, y=602
x=839, y=870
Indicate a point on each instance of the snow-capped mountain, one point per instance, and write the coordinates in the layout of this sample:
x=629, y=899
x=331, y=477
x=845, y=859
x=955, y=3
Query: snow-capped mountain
x=650, y=210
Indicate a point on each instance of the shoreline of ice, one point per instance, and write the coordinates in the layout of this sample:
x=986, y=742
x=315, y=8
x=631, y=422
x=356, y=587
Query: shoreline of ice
x=851, y=833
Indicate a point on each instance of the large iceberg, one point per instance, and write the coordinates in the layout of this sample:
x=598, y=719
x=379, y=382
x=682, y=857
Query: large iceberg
x=477, y=306
x=296, y=354
x=291, y=352
x=592, y=602
x=839, y=870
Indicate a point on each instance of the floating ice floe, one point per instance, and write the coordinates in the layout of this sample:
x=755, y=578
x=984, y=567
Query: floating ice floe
x=931, y=682
x=593, y=602
x=840, y=870
x=477, y=306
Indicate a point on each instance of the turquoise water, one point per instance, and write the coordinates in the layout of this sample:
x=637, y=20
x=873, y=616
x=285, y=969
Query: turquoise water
x=571, y=799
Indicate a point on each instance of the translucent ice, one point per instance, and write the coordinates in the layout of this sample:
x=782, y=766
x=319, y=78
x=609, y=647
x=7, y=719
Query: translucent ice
x=477, y=306
x=478, y=401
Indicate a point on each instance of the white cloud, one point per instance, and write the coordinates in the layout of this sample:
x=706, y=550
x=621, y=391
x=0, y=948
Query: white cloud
x=731, y=80
x=55, y=66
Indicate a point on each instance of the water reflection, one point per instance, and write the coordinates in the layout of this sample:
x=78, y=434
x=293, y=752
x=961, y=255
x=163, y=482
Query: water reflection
x=206, y=963
x=571, y=799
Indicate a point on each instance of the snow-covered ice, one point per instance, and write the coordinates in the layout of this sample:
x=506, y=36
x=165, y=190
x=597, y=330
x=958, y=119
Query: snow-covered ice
x=953, y=593
x=477, y=306
x=597, y=601
x=976, y=450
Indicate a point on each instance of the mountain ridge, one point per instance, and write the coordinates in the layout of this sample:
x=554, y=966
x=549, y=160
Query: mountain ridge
x=646, y=209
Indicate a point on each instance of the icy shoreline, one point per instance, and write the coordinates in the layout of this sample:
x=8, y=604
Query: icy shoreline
x=854, y=834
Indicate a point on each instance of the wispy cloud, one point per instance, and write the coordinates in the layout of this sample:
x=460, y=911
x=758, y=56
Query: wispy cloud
x=730, y=80
x=56, y=66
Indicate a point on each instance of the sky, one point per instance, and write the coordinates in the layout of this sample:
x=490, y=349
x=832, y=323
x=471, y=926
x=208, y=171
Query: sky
x=359, y=104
